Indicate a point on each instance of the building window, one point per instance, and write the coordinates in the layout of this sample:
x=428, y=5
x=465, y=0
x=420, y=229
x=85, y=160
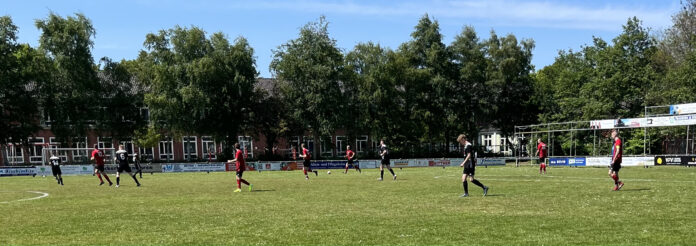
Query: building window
x=209, y=150
x=361, y=144
x=326, y=146
x=128, y=146
x=146, y=154
x=36, y=149
x=247, y=145
x=15, y=154
x=340, y=144
x=52, y=144
x=190, y=147
x=78, y=155
x=309, y=143
x=166, y=149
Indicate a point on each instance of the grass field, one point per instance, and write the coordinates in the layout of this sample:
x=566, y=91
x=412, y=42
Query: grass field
x=568, y=206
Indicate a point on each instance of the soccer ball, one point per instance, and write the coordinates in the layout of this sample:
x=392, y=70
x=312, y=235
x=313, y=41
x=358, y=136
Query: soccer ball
x=328, y=172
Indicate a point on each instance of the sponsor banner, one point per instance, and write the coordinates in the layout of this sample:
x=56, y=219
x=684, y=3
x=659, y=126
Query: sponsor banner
x=176, y=168
x=402, y=163
x=602, y=124
x=439, y=163
x=268, y=166
x=289, y=166
x=675, y=160
x=490, y=162
x=576, y=161
x=147, y=168
x=365, y=164
x=331, y=164
x=625, y=162
x=66, y=170
x=556, y=161
x=678, y=109
x=18, y=171
x=676, y=120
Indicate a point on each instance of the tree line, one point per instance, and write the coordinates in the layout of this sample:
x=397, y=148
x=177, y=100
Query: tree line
x=418, y=97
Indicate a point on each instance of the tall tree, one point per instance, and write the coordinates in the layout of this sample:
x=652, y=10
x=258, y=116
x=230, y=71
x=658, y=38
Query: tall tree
x=23, y=70
x=198, y=84
x=680, y=39
x=431, y=77
x=470, y=104
x=509, y=82
x=374, y=79
x=120, y=107
x=309, y=69
x=74, y=86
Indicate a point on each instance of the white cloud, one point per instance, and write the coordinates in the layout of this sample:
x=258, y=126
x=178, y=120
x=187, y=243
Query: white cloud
x=495, y=12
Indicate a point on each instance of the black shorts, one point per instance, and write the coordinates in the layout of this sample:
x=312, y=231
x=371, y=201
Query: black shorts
x=385, y=162
x=56, y=170
x=99, y=168
x=124, y=168
x=616, y=167
x=542, y=160
x=239, y=173
x=470, y=171
x=307, y=163
x=350, y=161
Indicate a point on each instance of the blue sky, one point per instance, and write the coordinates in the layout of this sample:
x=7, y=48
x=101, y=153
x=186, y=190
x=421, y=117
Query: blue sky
x=554, y=25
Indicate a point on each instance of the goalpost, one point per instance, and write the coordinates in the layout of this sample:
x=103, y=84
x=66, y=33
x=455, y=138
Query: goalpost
x=72, y=156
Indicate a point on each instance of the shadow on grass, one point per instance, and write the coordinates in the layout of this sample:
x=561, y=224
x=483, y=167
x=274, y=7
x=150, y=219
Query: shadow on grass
x=262, y=190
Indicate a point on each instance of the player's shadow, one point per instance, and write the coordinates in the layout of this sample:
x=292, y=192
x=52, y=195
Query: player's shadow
x=495, y=195
x=262, y=190
x=636, y=189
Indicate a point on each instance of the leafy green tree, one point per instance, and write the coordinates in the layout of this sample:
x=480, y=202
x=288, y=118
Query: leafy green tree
x=122, y=100
x=309, y=69
x=74, y=86
x=427, y=89
x=198, y=84
x=23, y=70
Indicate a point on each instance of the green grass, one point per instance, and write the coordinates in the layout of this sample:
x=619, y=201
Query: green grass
x=568, y=206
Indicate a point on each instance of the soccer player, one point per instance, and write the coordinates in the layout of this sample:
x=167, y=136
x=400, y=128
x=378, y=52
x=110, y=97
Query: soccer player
x=123, y=166
x=240, y=167
x=98, y=157
x=616, y=154
x=542, y=153
x=469, y=165
x=307, y=163
x=138, y=168
x=55, y=167
x=384, y=153
x=350, y=155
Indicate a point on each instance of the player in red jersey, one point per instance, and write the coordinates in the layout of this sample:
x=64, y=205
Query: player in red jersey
x=350, y=155
x=306, y=162
x=240, y=167
x=542, y=153
x=616, y=155
x=98, y=158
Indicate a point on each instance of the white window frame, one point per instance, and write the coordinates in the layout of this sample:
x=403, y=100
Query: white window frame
x=129, y=146
x=15, y=154
x=52, y=144
x=80, y=144
x=164, y=155
x=361, y=144
x=206, y=143
x=36, y=145
x=326, y=147
x=340, y=144
x=105, y=145
x=191, y=140
x=147, y=154
x=247, y=143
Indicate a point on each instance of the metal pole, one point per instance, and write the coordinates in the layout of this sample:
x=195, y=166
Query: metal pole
x=687, y=139
x=594, y=145
x=645, y=131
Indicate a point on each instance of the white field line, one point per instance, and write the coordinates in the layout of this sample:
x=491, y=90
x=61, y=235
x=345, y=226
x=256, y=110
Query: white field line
x=42, y=195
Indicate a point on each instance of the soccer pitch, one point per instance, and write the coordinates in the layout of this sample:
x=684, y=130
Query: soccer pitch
x=566, y=206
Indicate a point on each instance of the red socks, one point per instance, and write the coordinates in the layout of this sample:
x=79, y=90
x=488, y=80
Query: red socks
x=100, y=178
x=239, y=183
x=305, y=172
x=107, y=177
x=245, y=182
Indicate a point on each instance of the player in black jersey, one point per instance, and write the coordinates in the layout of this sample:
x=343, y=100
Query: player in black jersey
x=384, y=153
